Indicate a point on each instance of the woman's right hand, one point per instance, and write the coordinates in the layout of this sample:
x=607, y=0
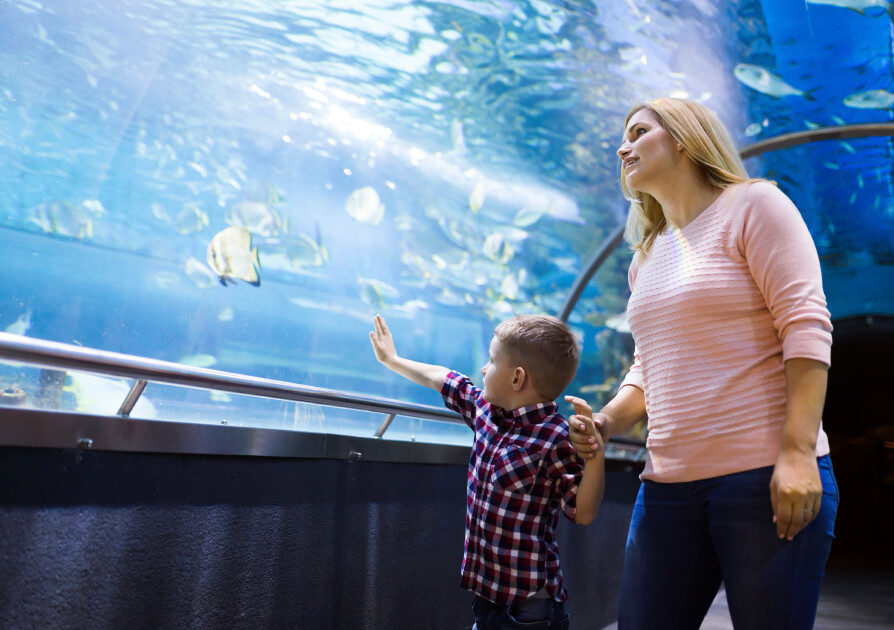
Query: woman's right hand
x=584, y=425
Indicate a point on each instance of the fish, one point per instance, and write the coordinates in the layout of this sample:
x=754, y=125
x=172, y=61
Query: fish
x=411, y=307
x=753, y=129
x=527, y=217
x=498, y=248
x=21, y=325
x=859, y=6
x=158, y=211
x=94, y=207
x=231, y=257
x=618, y=322
x=457, y=136
x=373, y=292
x=450, y=298
x=103, y=395
x=258, y=218
x=63, y=219
x=191, y=219
x=760, y=79
x=198, y=273
x=226, y=315
x=870, y=99
x=201, y=360
x=509, y=287
x=365, y=206
x=306, y=251
x=166, y=279
x=477, y=197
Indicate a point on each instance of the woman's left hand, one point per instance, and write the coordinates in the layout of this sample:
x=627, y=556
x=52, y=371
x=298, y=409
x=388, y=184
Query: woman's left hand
x=796, y=492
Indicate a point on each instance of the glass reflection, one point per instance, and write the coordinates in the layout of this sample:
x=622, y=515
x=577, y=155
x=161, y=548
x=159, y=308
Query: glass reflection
x=445, y=163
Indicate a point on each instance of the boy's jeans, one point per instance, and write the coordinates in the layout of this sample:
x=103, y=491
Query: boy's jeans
x=531, y=614
x=685, y=538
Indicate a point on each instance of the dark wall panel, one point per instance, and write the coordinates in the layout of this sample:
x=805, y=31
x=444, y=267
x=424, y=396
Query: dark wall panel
x=92, y=539
x=860, y=424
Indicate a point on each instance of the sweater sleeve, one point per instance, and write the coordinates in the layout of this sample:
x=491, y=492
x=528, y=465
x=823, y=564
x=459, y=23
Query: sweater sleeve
x=634, y=374
x=782, y=258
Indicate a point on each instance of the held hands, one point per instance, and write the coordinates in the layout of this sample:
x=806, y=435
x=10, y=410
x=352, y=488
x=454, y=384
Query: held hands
x=382, y=342
x=796, y=492
x=588, y=431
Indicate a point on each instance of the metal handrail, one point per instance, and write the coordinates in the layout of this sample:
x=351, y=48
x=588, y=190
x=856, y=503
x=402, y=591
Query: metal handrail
x=55, y=355
x=840, y=132
x=51, y=354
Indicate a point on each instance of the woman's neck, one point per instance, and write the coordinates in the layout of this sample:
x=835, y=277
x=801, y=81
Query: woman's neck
x=686, y=197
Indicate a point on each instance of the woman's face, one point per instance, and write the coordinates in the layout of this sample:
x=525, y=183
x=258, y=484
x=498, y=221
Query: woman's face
x=647, y=151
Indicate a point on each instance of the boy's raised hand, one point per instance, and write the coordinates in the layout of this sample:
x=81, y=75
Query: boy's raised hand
x=382, y=341
x=425, y=374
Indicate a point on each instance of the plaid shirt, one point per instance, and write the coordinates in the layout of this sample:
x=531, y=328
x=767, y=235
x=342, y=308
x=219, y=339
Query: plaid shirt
x=522, y=471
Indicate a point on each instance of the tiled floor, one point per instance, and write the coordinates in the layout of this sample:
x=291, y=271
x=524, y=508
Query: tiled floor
x=848, y=601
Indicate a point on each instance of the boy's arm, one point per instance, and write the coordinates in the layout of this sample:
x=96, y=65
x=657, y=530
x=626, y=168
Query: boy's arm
x=432, y=376
x=592, y=485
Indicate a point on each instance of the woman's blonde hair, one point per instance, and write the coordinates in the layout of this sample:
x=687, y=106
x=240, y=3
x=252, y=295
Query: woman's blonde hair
x=707, y=143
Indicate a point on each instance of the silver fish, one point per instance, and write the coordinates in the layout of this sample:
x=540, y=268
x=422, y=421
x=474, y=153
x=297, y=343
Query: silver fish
x=21, y=325
x=760, y=79
x=859, y=6
x=871, y=99
x=231, y=257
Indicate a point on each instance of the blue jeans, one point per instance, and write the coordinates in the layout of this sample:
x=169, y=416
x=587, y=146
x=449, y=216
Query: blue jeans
x=687, y=538
x=530, y=614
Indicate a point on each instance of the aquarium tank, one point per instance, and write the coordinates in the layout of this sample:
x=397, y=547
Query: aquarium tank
x=242, y=185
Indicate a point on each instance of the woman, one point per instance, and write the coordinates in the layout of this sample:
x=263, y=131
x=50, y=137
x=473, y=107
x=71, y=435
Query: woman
x=733, y=342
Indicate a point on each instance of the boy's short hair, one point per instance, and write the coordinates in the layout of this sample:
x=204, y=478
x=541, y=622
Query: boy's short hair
x=545, y=347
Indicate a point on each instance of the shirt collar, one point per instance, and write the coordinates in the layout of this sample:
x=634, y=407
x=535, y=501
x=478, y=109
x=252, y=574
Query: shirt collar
x=530, y=414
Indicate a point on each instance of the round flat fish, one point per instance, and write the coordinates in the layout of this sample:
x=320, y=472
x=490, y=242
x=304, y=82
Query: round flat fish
x=365, y=206
x=231, y=256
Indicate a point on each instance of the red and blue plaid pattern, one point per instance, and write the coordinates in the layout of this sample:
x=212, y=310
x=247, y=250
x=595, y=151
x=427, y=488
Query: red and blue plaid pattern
x=522, y=472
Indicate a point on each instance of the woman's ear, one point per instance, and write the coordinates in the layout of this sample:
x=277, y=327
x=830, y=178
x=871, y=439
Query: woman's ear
x=519, y=376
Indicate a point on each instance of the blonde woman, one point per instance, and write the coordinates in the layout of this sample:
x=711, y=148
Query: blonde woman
x=733, y=342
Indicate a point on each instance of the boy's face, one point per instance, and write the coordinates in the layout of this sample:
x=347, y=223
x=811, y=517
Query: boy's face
x=498, y=375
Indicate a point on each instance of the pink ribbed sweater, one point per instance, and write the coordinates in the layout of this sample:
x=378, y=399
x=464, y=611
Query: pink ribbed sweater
x=715, y=309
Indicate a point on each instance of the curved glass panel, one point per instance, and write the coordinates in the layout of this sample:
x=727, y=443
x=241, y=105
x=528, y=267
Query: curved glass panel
x=446, y=164
x=844, y=192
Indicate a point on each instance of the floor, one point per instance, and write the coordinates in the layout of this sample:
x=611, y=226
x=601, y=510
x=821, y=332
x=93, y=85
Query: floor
x=849, y=600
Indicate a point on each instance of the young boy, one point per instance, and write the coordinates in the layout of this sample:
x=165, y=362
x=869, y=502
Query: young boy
x=522, y=469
